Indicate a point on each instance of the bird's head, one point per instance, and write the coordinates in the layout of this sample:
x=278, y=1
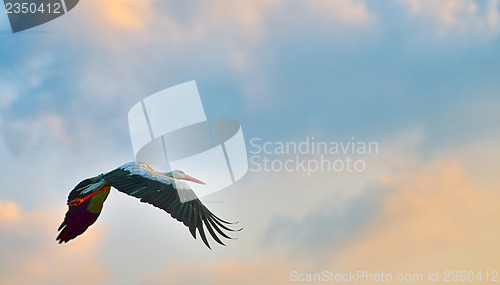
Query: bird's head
x=179, y=174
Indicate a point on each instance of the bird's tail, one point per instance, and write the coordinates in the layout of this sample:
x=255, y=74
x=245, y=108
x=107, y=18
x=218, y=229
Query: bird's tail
x=81, y=212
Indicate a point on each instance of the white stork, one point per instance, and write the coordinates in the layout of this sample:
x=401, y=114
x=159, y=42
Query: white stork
x=163, y=190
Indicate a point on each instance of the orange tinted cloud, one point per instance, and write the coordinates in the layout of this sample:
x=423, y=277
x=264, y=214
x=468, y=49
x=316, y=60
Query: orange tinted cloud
x=221, y=273
x=126, y=14
x=433, y=218
x=30, y=254
x=9, y=211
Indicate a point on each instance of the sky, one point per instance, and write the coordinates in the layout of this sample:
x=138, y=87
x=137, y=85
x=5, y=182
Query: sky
x=418, y=77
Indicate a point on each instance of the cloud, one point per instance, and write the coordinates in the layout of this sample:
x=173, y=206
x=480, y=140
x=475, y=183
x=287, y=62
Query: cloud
x=170, y=41
x=127, y=15
x=234, y=45
x=7, y=96
x=23, y=79
x=350, y=12
x=480, y=159
x=433, y=217
x=9, y=212
x=203, y=20
x=405, y=213
x=30, y=254
x=464, y=16
x=33, y=133
x=417, y=216
x=323, y=226
x=225, y=272
x=166, y=21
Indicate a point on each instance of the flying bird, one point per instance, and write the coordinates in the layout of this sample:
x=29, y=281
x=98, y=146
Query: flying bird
x=166, y=191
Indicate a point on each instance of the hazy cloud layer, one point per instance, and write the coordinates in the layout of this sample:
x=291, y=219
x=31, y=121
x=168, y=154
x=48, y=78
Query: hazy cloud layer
x=419, y=77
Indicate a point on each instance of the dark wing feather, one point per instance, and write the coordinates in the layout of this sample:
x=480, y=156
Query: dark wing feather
x=192, y=213
x=77, y=218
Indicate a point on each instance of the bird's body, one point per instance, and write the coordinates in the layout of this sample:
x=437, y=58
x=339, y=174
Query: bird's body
x=166, y=191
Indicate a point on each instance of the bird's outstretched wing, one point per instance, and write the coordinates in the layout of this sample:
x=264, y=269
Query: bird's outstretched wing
x=79, y=217
x=165, y=196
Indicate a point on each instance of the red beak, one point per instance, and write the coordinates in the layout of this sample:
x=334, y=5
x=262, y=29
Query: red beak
x=192, y=179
